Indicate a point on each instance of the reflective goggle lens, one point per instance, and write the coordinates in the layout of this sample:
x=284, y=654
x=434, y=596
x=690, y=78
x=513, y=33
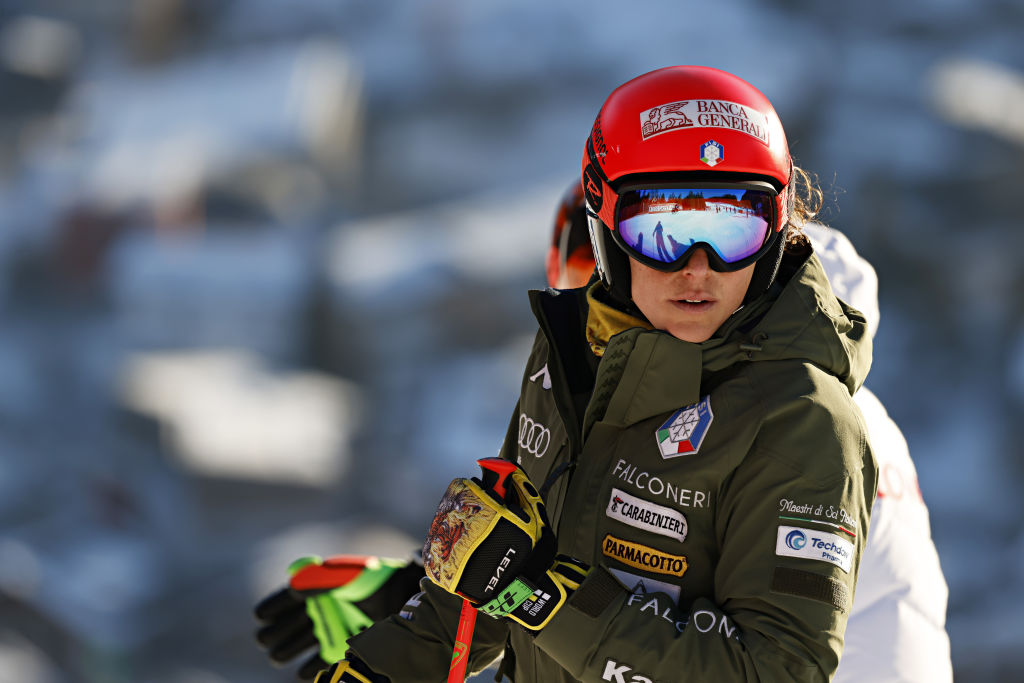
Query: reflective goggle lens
x=663, y=223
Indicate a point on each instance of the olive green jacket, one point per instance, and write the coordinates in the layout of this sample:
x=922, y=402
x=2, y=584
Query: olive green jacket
x=720, y=491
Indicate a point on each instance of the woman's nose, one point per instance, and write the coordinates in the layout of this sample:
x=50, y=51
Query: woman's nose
x=697, y=264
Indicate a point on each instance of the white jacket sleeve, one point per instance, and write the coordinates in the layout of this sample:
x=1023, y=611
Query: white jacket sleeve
x=896, y=630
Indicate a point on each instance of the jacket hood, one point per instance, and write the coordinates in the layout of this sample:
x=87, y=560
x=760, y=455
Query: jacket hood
x=651, y=372
x=853, y=279
x=646, y=372
x=804, y=322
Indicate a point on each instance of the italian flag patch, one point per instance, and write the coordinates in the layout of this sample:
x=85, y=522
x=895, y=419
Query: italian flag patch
x=684, y=431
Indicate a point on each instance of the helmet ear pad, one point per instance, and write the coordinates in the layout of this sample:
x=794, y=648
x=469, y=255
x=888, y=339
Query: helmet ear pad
x=766, y=267
x=613, y=267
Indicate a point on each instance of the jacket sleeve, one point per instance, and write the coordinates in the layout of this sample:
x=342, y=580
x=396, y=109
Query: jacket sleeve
x=417, y=644
x=776, y=613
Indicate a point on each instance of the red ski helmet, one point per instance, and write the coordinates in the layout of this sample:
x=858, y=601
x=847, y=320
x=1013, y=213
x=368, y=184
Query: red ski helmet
x=681, y=127
x=570, y=258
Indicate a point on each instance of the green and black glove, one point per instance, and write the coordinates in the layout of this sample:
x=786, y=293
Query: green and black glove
x=328, y=601
x=498, y=552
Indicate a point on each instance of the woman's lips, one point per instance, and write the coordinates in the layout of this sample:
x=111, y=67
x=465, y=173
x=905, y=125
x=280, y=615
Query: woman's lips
x=693, y=304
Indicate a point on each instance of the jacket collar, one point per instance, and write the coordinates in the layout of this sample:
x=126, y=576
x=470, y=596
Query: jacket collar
x=604, y=321
x=799, y=319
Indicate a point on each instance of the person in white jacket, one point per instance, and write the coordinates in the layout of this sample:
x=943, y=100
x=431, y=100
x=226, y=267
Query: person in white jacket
x=896, y=630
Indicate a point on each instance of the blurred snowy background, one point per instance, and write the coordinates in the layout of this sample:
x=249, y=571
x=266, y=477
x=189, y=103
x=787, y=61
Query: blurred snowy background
x=263, y=269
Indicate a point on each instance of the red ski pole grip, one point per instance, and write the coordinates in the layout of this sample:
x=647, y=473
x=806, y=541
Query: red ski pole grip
x=500, y=467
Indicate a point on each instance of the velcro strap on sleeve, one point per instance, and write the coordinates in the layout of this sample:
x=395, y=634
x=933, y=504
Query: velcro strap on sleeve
x=813, y=586
x=596, y=593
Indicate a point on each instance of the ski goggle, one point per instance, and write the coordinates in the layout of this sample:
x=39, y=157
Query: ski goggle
x=662, y=226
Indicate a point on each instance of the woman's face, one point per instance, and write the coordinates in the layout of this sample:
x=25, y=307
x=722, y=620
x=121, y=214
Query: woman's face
x=691, y=303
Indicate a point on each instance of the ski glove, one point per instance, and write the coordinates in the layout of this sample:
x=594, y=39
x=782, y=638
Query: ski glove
x=327, y=601
x=349, y=671
x=499, y=552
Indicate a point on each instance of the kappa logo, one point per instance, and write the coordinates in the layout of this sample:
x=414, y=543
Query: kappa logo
x=712, y=153
x=642, y=514
x=703, y=114
x=684, y=431
x=615, y=672
x=545, y=378
x=534, y=437
x=643, y=557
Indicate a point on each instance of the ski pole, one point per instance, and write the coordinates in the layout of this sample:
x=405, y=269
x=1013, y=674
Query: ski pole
x=467, y=618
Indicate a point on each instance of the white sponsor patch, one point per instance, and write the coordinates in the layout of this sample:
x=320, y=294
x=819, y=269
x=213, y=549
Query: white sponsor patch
x=639, y=513
x=814, y=545
x=703, y=114
x=645, y=585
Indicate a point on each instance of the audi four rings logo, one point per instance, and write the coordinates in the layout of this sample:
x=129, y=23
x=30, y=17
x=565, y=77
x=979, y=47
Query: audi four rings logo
x=533, y=436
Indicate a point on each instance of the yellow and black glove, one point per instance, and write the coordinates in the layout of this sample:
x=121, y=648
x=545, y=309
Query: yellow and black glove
x=348, y=671
x=491, y=543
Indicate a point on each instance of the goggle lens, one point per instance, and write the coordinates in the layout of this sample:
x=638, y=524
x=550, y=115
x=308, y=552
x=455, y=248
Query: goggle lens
x=663, y=223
